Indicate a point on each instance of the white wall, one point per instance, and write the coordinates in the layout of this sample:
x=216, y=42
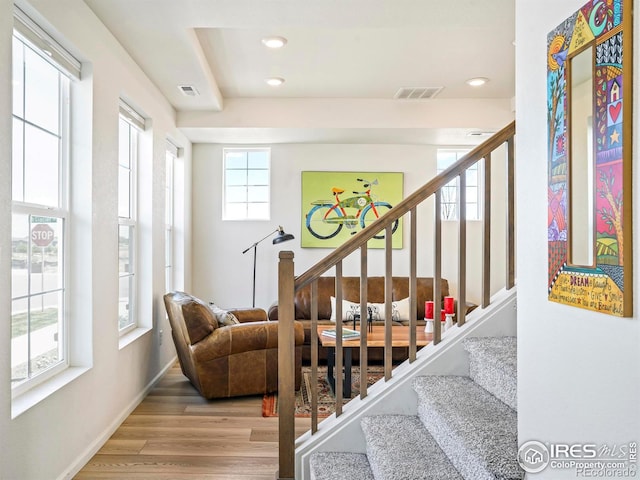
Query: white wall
x=578, y=371
x=223, y=274
x=54, y=438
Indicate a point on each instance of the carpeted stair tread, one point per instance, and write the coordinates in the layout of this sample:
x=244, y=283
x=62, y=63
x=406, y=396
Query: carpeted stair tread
x=400, y=448
x=477, y=431
x=493, y=366
x=340, y=466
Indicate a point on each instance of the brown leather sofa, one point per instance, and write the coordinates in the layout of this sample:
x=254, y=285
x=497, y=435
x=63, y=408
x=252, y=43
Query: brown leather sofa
x=227, y=360
x=351, y=292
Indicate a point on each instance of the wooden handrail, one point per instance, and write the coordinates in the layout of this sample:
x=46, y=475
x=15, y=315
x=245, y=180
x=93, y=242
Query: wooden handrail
x=406, y=205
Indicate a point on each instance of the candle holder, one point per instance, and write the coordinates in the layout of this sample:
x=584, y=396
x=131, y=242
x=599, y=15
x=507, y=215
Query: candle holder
x=448, y=321
x=428, y=326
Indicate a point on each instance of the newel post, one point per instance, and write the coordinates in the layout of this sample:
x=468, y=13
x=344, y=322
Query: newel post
x=286, y=368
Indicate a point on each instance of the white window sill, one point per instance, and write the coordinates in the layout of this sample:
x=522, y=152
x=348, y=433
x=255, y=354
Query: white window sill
x=130, y=337
x=35, y=395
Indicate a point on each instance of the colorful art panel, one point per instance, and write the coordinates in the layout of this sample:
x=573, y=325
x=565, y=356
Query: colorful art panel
x=602, y=16
x=338, y=205
x=605, y=285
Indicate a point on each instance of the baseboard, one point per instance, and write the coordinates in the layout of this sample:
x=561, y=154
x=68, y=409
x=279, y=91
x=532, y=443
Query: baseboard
x=93, y=448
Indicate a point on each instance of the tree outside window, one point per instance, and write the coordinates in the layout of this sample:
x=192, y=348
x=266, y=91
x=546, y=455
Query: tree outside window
x=449, y=193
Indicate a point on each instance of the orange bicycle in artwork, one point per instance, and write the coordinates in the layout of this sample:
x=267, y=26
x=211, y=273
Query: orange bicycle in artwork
x=328, y=217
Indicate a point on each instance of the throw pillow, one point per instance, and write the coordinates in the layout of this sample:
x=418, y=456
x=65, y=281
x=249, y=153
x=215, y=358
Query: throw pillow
x=199, y=320
x=224, y=317
x=377, y=311
x=349, y=309
x=402, y=308
x=399, y=310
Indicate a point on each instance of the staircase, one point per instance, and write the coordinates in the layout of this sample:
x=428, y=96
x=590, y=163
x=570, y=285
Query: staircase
x=450, y=426
x=466, y=427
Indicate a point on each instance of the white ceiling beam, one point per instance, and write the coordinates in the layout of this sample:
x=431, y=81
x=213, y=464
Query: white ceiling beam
x=297, y=120
x=206, y=69
x=351, y=113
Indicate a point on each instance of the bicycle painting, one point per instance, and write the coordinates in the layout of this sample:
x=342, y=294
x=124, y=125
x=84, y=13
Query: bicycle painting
x=337, y=205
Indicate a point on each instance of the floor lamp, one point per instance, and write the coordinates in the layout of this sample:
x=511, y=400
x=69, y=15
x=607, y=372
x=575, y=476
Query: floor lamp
x=282, y=237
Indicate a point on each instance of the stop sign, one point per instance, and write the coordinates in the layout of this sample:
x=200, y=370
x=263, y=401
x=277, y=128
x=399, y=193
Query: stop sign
x=42, y=234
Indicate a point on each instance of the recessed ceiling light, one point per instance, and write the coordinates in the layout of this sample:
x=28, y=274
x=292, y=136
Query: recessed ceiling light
x=274, y=81
x=274, y=42
x=477, y=81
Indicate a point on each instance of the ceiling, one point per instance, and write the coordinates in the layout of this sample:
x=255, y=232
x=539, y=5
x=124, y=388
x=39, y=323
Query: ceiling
x=336, y=49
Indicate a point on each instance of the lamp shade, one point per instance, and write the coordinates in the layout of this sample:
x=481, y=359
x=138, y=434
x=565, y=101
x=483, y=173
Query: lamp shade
x=282, y=236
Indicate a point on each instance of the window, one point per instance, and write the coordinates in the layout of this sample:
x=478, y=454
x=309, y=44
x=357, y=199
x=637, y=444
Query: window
x=449, y=198
x=246, y=184
x=40, y=215
x=172, y=153
x=129, y=127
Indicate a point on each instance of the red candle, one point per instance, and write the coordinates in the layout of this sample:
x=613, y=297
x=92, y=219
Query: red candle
x=448, y=305
x=428, y=309
x=442, y=315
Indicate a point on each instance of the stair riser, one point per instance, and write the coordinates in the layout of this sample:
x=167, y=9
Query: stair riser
x=340, y=466
x=493, y=366
x=400, y=448
x=470, y=468
x=496, y=381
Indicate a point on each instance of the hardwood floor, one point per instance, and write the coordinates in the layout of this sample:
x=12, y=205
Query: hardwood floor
x=176, y=434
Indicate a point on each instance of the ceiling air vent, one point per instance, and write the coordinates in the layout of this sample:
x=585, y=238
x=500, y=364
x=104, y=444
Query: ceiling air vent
x=479, y=134
x=417, y=93
x=189, y=90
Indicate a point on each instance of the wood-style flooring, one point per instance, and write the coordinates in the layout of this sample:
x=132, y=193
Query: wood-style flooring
x=176, y=434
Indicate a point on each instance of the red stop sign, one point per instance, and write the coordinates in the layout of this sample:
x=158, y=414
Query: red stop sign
x=42, y=234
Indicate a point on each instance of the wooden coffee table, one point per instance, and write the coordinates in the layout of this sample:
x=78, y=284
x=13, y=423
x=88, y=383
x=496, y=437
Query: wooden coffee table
x=375, y=338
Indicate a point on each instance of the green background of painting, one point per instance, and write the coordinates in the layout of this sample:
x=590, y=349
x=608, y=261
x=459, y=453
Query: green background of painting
x=318, y=185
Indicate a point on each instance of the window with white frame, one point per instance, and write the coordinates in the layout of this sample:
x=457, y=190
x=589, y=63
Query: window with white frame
x=40, y=205
x=130, y=124
x=449, y=193
x=246, y=184
x=171, y=155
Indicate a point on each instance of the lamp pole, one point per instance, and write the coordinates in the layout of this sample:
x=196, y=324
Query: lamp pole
x=282, y=237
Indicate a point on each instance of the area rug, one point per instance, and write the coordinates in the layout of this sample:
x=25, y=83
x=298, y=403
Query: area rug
x=326, y=400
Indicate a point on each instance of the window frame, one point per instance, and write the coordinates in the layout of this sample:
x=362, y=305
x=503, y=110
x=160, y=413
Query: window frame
x=169, y=218
x=226, y=216
x=131, y=221
x=449, y=209
x=60, y=211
